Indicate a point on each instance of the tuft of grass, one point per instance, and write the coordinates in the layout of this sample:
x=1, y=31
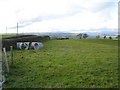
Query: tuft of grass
x=73, y=63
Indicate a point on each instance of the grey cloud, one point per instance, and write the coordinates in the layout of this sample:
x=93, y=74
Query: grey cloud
x=73, y=11
x=25, y=23
x=19, y=26
x=104, y=6
x=12, y=27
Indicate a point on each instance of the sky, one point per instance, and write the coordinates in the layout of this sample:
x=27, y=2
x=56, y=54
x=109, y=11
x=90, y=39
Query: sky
x=58, y=15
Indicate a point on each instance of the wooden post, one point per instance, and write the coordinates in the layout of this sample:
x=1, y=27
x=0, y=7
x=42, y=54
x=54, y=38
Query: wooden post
x=17, y=28
x=6, y=59
x=11, y=50
x=6, y=30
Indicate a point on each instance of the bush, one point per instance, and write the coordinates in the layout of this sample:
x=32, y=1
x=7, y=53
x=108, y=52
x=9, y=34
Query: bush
x=110, y=37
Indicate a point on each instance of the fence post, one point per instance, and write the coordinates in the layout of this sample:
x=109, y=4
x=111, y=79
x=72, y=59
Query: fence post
x=0, y=71
x=6, y=59
x=12, y=59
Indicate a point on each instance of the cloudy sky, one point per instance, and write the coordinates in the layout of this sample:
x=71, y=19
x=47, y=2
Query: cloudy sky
x=58, y=15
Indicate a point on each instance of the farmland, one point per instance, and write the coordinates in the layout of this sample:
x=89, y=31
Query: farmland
x=73, y=63
x=7, y=35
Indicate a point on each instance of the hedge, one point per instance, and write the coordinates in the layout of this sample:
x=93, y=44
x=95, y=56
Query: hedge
x=12, y=41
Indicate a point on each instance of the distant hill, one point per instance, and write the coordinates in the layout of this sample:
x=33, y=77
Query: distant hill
x=92, y=33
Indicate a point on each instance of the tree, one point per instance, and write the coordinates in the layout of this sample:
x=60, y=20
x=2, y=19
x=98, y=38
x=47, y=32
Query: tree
x=105, y=37
x=110, y=37
x=119, y=37
x=85, y=35
x=98, y=36
x=80, y=35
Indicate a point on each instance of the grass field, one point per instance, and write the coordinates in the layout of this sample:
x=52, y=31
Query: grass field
x=7, y=35
x=74, y=63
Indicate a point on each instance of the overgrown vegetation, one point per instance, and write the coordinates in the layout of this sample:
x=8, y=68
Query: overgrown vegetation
x=73, y=63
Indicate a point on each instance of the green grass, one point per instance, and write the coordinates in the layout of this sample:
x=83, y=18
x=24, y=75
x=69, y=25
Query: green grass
x=74, y=63
x=7, y=35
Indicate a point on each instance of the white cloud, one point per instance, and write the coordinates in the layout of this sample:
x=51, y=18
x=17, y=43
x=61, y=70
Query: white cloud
x=58, y=15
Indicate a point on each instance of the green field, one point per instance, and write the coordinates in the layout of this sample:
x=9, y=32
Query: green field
x=73, y=63
x=7, y=35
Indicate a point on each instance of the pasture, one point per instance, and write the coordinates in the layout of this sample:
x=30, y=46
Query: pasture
x=73, y=63
x=7, y=35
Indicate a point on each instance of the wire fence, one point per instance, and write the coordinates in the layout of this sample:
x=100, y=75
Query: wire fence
x=0, y=70
x=6, y=60
x=0, y=62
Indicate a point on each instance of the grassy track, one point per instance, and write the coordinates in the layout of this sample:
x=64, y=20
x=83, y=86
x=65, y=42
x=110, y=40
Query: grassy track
x=66, y=63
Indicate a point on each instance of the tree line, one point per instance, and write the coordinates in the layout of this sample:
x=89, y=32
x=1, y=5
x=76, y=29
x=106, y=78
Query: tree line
x=82, y=35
